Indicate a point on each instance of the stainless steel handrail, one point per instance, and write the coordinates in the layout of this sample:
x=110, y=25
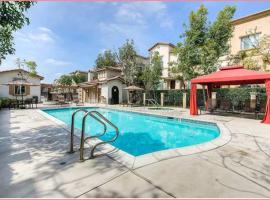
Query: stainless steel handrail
x=108, y=141
x=72, y=128
x=153, y=101
x=71, y=150
x=104, y=130
x=91, y=113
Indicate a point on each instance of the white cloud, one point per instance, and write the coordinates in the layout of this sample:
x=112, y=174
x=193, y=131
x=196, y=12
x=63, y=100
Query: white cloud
x=45, y=29
x=42, y=34
x=134, y=21
x=143, y=12
x=130, y=14
x=115, y=28
x=55, y=62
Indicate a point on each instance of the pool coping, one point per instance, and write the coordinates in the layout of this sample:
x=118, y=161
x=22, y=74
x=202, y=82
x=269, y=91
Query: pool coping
x=134, y=162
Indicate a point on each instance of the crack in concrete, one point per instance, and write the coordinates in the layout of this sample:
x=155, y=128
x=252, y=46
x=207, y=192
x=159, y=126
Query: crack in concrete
x=239, y=190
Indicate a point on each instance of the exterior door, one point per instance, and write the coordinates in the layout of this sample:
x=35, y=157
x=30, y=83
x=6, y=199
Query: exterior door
x=172, y=84
x=115, y=95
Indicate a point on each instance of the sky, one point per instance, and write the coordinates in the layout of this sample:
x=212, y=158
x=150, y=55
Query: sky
x=66, y=36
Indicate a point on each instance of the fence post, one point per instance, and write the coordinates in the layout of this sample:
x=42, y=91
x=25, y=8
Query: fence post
x=144, y=97
x=161, y=98
x=252, y=101
x=184, y=100
x=214, y=99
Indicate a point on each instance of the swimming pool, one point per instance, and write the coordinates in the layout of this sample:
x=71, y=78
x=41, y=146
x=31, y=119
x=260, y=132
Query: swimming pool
x=140, y=134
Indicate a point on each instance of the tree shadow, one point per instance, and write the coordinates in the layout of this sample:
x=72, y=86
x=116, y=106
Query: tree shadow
x=33, y=153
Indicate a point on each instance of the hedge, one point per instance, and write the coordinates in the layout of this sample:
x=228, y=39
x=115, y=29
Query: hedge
x=238, y=98
x=4, y=102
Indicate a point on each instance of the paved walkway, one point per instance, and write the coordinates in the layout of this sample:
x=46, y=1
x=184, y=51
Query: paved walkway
x=34, y=163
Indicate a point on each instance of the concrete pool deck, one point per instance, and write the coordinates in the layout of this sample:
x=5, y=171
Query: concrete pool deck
x=34, y=163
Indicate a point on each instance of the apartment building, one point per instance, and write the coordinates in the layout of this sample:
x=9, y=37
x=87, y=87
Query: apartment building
x=248, y=31
x=169, y=80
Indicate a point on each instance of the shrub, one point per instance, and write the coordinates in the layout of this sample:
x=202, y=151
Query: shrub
x=4, y=102
x=237, y=98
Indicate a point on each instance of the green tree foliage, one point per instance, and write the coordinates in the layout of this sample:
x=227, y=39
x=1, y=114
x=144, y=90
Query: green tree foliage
x=30, y=66
x=78, y=78
x=12, y=18
x=127, y=56
x=108, y=58
x=152, y=72
x=203, y=42
x=65, y=80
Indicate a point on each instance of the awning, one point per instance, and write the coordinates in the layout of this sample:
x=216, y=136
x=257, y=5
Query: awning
x=230, y=75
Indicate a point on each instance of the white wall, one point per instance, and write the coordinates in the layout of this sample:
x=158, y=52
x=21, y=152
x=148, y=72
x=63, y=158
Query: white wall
x=104, y=91
x=6, y=77
x=120, y=86
x=90, y=76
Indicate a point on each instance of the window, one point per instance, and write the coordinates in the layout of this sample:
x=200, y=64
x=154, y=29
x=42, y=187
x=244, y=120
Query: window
x=102, y=74
x=20, y=90
x=249, y=41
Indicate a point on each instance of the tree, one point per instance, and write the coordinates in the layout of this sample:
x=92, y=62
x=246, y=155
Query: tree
x=12, y=18
x=30, y=66
x=65, y=80
x=203, y=42
x=152, y=72
x=127, y=57
x=78, y=78
x=108, y=58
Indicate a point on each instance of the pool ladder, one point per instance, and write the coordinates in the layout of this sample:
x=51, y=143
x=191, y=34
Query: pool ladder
x=99, y=118
x=152, y=101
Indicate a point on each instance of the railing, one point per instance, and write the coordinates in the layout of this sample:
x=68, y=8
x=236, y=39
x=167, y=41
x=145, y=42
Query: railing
x=92, y=114
x=71, y=150
x=152, y=101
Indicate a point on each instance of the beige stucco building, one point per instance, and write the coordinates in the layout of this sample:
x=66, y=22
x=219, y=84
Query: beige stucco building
x=169, y=79
x=13, y=85
x=248, y=30
x=107, y=88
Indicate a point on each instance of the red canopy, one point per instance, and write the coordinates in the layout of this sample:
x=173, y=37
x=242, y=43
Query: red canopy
x=231, y=75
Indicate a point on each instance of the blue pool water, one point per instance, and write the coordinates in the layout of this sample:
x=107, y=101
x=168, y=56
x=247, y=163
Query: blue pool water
x=141, y=134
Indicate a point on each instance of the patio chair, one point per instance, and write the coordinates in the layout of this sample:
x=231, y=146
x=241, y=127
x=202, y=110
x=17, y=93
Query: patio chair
x=61, y=99
x=28, y=102
x=35, y=101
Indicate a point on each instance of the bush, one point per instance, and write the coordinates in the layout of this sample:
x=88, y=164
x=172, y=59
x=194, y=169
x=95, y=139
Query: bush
x=4, y=102
x=235, y=98
x=239, y=98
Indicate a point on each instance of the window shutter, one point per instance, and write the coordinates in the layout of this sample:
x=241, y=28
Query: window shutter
x=11, y=90
x=27, y=90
